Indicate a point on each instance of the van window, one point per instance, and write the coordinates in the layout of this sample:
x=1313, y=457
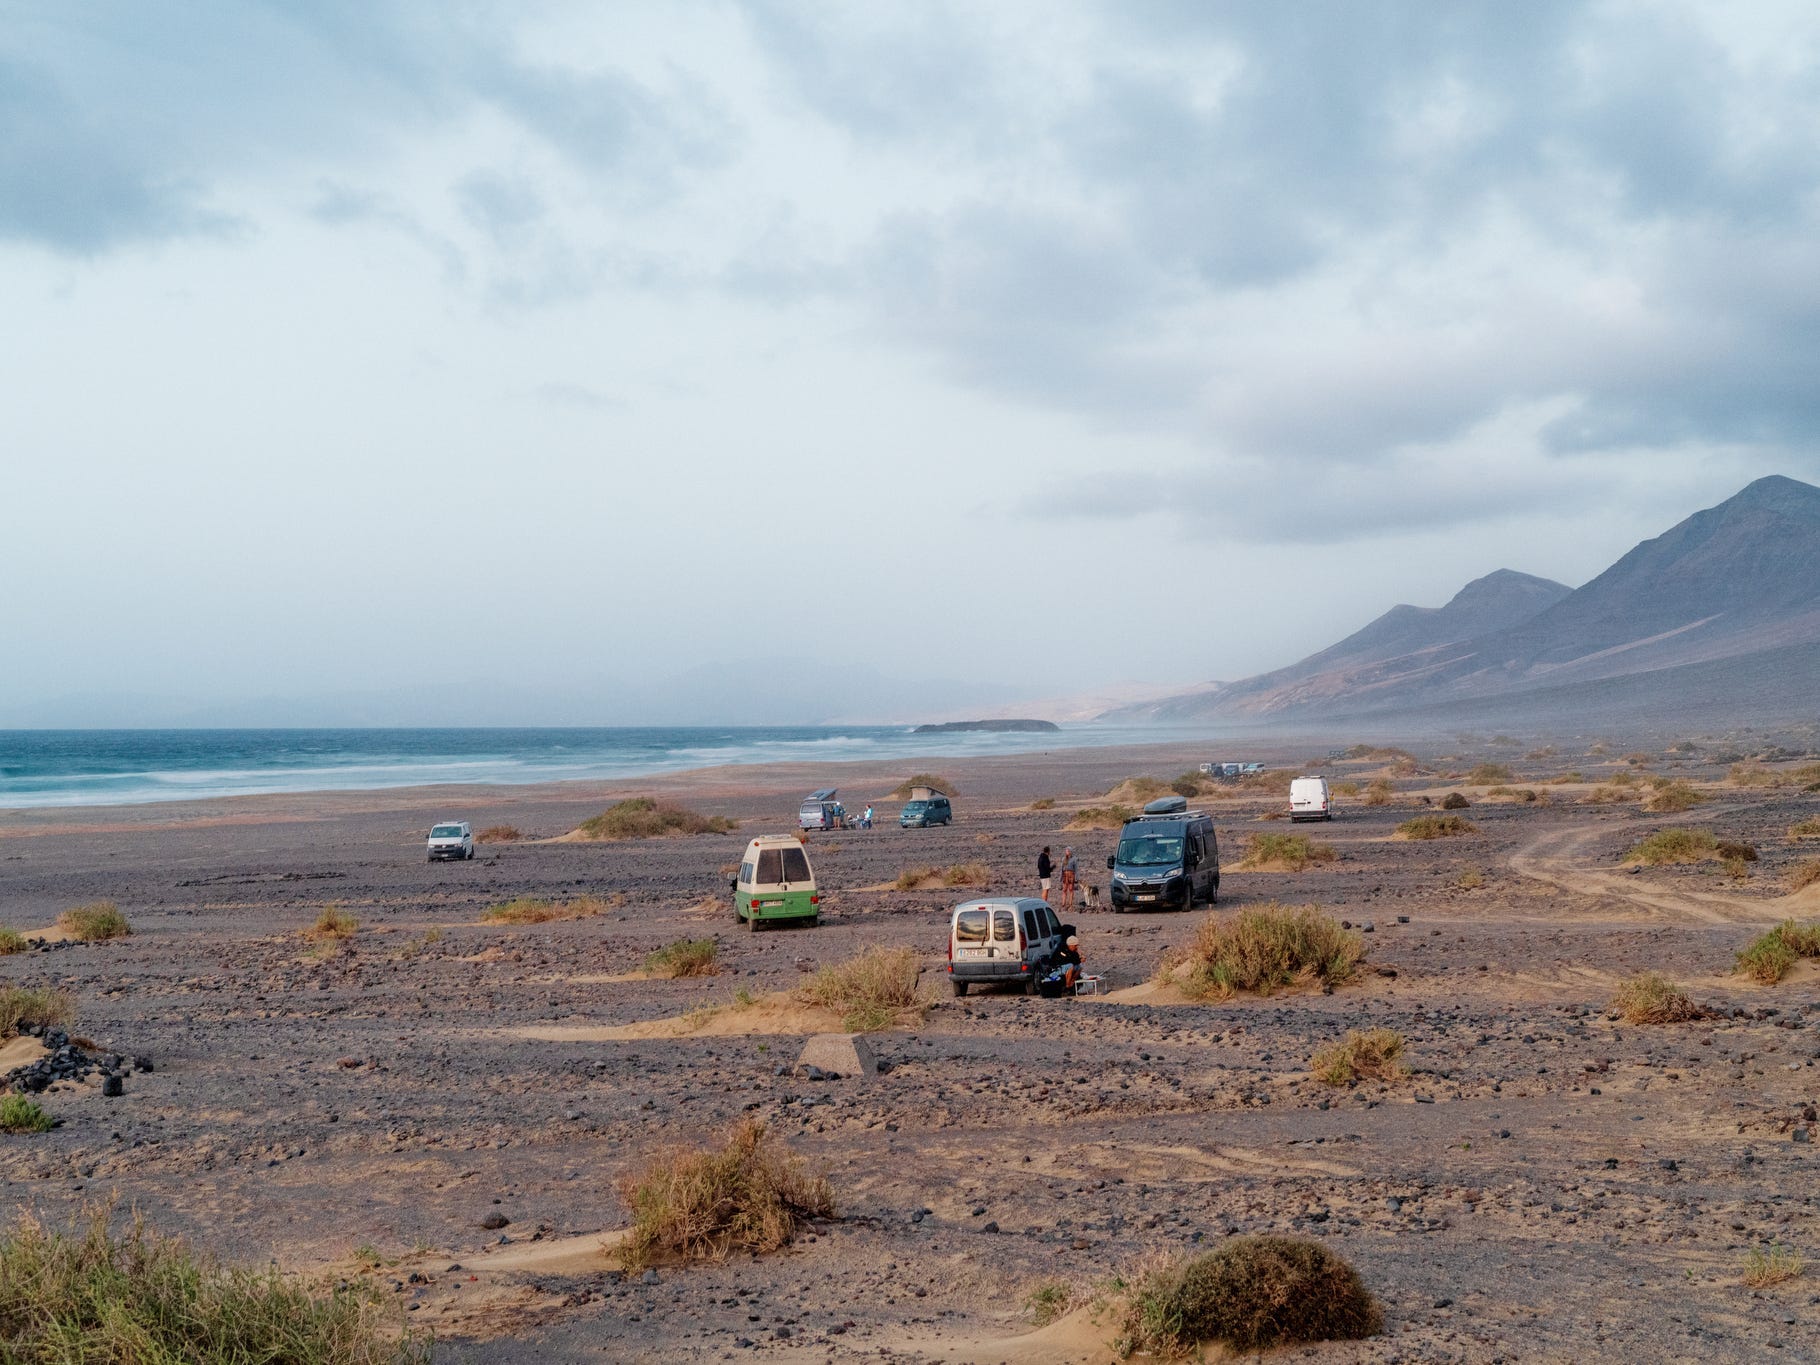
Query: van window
x=747, y=871
x=796, y=866
x=1004, y=926
x=970, y=926
x=1051, y=925
x=770, y=866
x=1033, y=925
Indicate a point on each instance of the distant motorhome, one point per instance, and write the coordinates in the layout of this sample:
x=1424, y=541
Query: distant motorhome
x=822, y=810
x=1231, y=769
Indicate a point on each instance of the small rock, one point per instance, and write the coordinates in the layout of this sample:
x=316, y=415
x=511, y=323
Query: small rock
x=1668, y=1163
x=649, y=1277
x=113, y=1087
x=495, y=1221
x=1368, y=928
x=989, y=1227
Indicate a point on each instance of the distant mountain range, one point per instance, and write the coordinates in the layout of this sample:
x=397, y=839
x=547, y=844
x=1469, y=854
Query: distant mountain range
x=1717, y=617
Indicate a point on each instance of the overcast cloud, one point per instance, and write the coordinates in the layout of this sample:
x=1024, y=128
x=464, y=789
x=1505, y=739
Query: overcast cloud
x=540, y=347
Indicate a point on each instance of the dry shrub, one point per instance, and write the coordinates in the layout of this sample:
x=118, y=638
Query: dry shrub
x=1346, y=788
x=1757, y=775
x=1049, y=1301
x=1651, y=998
x=1605, y=796
x=1736, y=849
x=43, y=1005
x=1139, y=790
x=1288, y=852
x=1264, y=949
x=1379, y=792
x=1674, y=846
x=332, y=925
x=685, y=957
x=1188, y=784
x=932, y=878
x=94, y=923
x=1524, y=795
x=1250, y=1293
x=1101, y=817
x=1639, y=759
x=1804, y=874
x=917, y=878
x=531, y=910
x=11, y=941
x=749, y=1195
x=1565, y=779
x=640, y=817
x=498, y=834
x=1489, y=774
x=1363, y=1055
x=1769, y=957
x=870, y=991
x=1043, y=803
x=1806, y=829
x=1455, y=801
x=935, y=781
x=1672, y=797
x=1471, y=877
x=85, y=1295
x=1765, y=1266
x=1436, y=827
x=967, y=874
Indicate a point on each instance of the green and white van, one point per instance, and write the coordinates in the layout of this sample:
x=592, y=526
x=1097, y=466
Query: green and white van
x=775, y=881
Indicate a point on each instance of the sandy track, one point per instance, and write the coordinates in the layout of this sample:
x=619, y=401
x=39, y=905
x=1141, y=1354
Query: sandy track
x=1561, y=858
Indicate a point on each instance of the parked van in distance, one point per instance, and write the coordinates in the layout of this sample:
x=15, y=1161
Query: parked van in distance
x=822, y=810
x=775, y=881
x=1309, y=799
x=451, y=839
x=1006, y=941
x=1168, y=859
x=923, y=811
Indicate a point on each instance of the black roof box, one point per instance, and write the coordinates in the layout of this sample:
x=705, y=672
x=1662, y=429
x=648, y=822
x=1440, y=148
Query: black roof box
x=1167, y=805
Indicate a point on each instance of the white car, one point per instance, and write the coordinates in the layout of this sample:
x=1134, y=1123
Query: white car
x=451, y=839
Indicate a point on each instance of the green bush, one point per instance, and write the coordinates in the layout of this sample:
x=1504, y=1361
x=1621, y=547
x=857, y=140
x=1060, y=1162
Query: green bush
x=1251, y=1293
x=1489, y=774
x=1436, y=827
x=94, y=923
x=11, y=941
x=43, y=1005
x=685, y=957
x=1769, y=956
x=1263, y=949
x=1674, y=846
x=640, y=817
x=20, y=1115
x=1292, y=852
x=84, y=1297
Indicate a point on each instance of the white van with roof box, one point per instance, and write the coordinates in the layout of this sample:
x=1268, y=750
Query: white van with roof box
x=1309, y=799
x=1006, y=941
x=1168, y=858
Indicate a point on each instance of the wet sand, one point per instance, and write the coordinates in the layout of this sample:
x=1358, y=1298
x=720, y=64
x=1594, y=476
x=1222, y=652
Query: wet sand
x=1550, y=1184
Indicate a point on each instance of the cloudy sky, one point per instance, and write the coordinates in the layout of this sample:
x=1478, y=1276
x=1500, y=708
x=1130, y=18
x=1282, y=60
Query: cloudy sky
x=581, y=360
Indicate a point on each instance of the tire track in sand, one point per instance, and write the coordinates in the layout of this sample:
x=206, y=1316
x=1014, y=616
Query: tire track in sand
x=1558, y=857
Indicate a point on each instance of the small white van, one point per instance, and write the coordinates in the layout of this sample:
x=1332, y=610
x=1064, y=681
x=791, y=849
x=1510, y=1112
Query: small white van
x=1309, y=799
x=451, y=839
x=1006, y=941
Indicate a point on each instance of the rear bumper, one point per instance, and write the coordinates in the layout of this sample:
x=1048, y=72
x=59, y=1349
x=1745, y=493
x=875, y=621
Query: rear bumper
x=1005, y=970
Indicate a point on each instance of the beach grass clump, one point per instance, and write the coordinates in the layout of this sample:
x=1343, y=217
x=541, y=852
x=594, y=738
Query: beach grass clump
x=749, y=1194
x=683, y=958
x=1138, y=790
x=1651, y=998
x=1455, y=801
x=1764, y=1266
x=917, y=878
x=1043, y=803
x=94, y=923
x=534, y=910
x=11, y=941
x=1757, y=774
x=1680, y=845
x=1101, y=817
x=45, y=1006
x=1286, y=852
x=1471, y=877
x=641, y=817
x=1804, y=874
x=1489, y=775
x=333, y=925
x=934, y=781
x=1249, y=1294
x=1263, y=949
x=932, y=878
x=1436, y=827
x=870, y=991
x=20, y=1115
x=1672, y=797
x=84, y=1295
x=1521, y=795
x=966, y=874
x=1049, y=1301
x=1805, y=829
x=1379, y=792
x=499, y=834
x=1362, y=1055
x=1772, y=954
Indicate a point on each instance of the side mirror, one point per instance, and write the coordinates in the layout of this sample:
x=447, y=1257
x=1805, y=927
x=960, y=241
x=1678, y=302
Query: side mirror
x=733, y=883
x=1111, y=860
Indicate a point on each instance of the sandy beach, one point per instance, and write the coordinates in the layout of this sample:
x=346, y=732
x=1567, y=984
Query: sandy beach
x=1550, y=1183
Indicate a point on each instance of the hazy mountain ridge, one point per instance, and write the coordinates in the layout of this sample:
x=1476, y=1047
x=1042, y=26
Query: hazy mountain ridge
x=1738, y=582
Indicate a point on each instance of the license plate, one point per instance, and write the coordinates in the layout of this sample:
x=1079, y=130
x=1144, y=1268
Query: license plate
x=1146, y=898
x=769, y=905
x=976, y=952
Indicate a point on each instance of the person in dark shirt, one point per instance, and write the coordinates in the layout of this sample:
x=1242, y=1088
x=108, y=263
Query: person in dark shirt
x=1044, y=870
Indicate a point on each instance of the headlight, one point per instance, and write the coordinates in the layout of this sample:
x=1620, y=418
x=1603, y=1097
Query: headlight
x=1118, y=876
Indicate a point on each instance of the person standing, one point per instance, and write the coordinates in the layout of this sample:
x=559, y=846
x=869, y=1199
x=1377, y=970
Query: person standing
x=1068, y=875
x=1044, y=870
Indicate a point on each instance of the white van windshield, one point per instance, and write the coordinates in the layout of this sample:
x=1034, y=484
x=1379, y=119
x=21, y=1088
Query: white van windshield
x=446, y=832
x=970, y=926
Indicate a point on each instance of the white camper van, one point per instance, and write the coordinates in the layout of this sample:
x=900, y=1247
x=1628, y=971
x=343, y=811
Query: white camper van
x=1309, y=799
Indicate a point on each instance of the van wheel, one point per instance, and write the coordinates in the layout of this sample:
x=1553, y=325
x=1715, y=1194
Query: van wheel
x=960, y=988
x=751, y=924
x=1030, y=987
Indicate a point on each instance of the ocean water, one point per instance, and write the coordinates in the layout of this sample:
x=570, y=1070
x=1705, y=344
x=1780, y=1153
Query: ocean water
x=121, y=767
